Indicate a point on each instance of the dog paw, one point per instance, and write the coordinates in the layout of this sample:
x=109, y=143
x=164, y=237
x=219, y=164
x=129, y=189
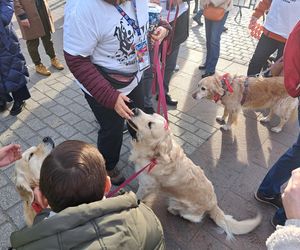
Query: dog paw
x=226, y=127
x=276, y=129
x=220, y=119
x=265, y=119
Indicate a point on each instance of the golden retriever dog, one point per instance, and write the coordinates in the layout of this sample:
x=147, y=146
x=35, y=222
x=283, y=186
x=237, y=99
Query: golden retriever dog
x=27, y=175
x=248, y=93
x=190, y=194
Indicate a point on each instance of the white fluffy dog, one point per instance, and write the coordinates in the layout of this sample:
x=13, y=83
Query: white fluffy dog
x=190, y=194
x=27, y=175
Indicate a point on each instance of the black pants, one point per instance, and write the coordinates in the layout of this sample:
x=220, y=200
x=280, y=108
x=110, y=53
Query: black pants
x=110, y=134
x=264, y=49
x=21, y=94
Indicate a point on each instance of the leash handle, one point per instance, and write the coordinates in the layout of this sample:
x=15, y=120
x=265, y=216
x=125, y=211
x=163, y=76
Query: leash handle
x=131, y=178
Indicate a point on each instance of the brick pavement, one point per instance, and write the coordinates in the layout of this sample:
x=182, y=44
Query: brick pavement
x=234, y=161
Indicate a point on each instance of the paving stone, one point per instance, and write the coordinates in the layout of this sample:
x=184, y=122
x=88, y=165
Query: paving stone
x=176, y=130
x=71, y=118
x=186, y=126
x=188, y=148
x=203, y=134
x=70, y=93
x=66, y=130
x=5, y=232
x=9, y=196
x=41, y=112
x=59, y=110
x=16, y=213
x=48, y=132
x=85, y=127
x=3, y=181
x=53, y=121
x=192, y=139
x=35, y=124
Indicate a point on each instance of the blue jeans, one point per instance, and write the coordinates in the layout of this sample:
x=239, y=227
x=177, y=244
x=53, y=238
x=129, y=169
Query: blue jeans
x=281, y=172
x=199, y=14
x=213, y=31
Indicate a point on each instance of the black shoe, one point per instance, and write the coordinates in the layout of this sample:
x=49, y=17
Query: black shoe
x=198, y=21
x=116, y=177
x=17, y=108
x=149, y=110
x=202, y=67
x=274, y=201
x=171, y=101
x=225, y=29
x=3, y=105
x=208, y=74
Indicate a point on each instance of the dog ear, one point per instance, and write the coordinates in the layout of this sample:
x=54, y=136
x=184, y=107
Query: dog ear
x=24, y=189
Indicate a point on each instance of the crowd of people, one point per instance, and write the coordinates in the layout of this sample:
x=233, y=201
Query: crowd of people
x=113, y=65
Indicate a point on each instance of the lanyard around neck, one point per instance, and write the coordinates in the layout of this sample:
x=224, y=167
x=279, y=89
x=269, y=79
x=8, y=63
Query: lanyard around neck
x=134, y=24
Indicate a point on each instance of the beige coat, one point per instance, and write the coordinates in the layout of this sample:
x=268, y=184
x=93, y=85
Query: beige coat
x=28, y=8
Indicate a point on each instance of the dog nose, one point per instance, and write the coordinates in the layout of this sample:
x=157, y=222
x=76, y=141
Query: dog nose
x=48, y=140
x=135, y=111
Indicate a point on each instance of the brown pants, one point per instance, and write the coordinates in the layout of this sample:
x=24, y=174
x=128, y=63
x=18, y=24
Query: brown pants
x=32, y=46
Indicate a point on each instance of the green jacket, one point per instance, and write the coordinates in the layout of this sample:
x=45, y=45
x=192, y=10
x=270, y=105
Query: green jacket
x=115, y=223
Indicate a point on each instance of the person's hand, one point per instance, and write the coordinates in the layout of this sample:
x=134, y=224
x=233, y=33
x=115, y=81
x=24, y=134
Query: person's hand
x=159, y=34
x=25, y=23
x=291, y=196
x=10, y=154
x=121, y=108
x=252, y=22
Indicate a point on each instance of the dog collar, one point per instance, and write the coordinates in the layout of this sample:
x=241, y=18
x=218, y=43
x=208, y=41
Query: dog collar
x=226, y=86
x=36, y=207
x=245, y=92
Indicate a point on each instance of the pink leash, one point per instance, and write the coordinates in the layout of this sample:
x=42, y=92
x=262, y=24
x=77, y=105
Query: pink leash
x=132, y=177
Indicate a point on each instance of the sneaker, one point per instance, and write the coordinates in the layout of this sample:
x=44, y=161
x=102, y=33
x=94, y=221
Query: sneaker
x=41, y=69
x=17, y=108
x=275, y=201
x=56, y=64
x=116, y=177
x=208, y=74
x=177, y=68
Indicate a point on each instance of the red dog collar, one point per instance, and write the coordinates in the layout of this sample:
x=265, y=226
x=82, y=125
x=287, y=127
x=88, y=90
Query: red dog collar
x=36, y=207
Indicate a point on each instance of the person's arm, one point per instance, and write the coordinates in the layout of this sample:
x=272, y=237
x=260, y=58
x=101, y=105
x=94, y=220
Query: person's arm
x=262, y=7
x=291, y=62
x=21, y=14
x=6, y=11
x=288, y=236
x=10, y=154
x=87, y=74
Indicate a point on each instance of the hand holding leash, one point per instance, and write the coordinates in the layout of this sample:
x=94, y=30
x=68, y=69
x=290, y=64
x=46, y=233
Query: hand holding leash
x=159, y=34
x=121, y=107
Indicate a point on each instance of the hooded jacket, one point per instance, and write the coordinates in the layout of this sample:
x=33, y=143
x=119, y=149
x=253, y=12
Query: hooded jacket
x=114, y=223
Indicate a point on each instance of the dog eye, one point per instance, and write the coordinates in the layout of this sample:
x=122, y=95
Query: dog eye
x=202, y=88
x=150, y=124
x=30, y=156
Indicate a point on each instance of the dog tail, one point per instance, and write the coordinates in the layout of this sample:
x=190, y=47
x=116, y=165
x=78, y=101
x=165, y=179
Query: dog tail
x=232, y=226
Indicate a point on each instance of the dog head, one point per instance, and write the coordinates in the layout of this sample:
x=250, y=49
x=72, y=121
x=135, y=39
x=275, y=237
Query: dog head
x=150, y=130
x=208, y=87
x=27, y=169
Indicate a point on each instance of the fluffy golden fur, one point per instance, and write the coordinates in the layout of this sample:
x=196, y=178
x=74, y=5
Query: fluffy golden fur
x=190, y=194
x=262, y=93
x=27, y=175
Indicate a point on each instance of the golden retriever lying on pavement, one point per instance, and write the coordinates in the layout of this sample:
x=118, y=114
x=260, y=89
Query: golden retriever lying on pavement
x=27, y=175
x=249, y=93
x=190, y=194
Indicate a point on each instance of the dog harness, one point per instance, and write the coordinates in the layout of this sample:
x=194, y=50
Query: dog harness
x=245, y=92
x=226, y=86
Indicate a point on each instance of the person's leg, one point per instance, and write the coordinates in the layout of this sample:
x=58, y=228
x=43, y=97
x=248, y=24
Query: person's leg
x=281, y=170
x=280, y=49
x=110, y=136
x=136, y=96
x=208, y=34
x=266, y=46
x=197, y=17
x=196, y=6
x=170, y=66
x=216, y=31
x=19, y=97
x=279, y=217
x=147, y=81
x=48, y=45
x=32, y=46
